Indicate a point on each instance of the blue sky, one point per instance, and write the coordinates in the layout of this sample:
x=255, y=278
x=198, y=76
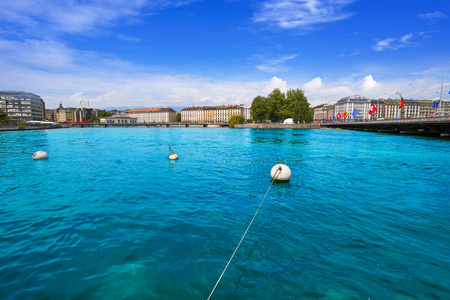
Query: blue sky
x=198, y=52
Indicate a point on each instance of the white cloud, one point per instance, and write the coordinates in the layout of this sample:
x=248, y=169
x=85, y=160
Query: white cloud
x=85, y=76
x=275, y=83
x=317, y=91
x=394, y=43
x=37, y=53
x=313, y=85
x=41, y=17
x=275, y=65
x=433, y=16
x=384, y=44
x=405, y=39
x=368, y=83
x=75, y=76
x=302, y=14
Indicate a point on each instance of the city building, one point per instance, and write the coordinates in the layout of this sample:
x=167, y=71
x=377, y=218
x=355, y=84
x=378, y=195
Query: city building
x=192, y=114
x=330, y=110
x=152, y=115
x=416, y=108
x=118, y=111
x=210, y=114
x=246, y=112
x=223, y=113
x=118, y=119
x=22, y=106
x=348, y=104
x=385, y=109
x=63, y=115
x=84, y=114
x=320, y=112
x=50, y=115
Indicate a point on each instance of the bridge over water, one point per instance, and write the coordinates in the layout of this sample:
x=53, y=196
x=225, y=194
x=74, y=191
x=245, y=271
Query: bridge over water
x=437, y=126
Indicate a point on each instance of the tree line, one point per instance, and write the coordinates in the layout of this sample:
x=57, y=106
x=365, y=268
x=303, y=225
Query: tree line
x=277, y=107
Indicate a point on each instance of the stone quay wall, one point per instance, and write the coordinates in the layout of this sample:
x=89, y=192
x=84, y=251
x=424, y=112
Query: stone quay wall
x=278, y=126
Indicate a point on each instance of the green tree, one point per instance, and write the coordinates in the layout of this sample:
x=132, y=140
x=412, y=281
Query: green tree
x=275, y=102
x=4, y=118
x=259, y=110
x=235, y=119
x=287, y=111
x=94, y=119
x=301, y=110
x=178, y=119
x=104, y=113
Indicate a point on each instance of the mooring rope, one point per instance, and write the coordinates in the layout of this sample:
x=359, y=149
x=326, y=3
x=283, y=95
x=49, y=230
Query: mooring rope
x=245, y=233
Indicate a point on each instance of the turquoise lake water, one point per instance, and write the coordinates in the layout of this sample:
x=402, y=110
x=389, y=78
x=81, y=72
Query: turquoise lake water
x=109, y=216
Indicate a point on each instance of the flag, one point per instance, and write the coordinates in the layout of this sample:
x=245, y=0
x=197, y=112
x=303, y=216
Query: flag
x=338, y=116
x=402, y=102
x=355, y=112
x=323, y=120
x=326, y=119
x=334, y=118
x=345, y=115
x=435, y=104
x=433, y=114
x=372, y=108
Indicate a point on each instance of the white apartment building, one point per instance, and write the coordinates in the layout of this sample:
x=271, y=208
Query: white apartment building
x=222, y=114
x=246, y=112
x=152, y=115
x=348, y=104
x=212, y=114
x=192, y=114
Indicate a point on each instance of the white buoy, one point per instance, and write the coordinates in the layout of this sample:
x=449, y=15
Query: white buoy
x=40, y=155
x=173, y=156
x=283, y=175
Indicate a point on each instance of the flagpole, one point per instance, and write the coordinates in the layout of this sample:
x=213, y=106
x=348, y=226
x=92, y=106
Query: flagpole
x=398, y=108
x=440, y=98
x=378, y=107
